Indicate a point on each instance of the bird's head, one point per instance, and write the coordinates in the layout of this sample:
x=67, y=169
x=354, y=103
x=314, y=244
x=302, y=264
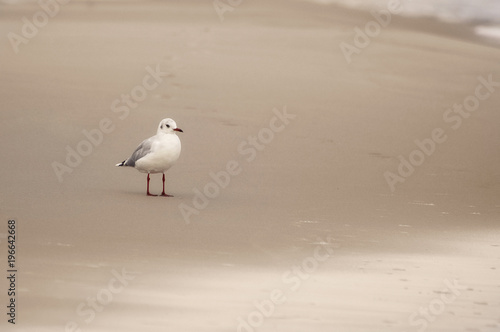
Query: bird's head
x=168, y=126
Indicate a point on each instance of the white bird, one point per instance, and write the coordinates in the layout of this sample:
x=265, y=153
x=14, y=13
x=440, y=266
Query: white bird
x=158, y=153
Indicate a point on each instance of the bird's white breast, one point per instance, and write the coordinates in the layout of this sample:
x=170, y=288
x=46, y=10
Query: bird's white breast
x=164, y=153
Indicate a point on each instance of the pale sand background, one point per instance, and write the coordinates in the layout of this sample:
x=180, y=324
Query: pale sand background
x=320, y=178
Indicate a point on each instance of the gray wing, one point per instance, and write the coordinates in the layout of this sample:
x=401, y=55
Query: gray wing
x=143, y=149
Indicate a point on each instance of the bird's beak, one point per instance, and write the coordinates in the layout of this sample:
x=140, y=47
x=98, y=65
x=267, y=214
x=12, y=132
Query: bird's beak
x=179, y=129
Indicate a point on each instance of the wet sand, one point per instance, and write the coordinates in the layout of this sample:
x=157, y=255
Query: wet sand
x=289, y=145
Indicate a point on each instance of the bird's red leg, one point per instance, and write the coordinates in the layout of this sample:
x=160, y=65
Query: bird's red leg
x=163, y=192
x=148, y=187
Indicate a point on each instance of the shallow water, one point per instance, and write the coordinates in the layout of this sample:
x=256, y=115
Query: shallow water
x=457, y=11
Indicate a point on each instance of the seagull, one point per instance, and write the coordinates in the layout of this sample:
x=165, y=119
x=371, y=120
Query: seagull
x=157, y=153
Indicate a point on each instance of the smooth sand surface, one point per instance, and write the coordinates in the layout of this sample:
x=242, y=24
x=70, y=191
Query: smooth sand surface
x=307, y=220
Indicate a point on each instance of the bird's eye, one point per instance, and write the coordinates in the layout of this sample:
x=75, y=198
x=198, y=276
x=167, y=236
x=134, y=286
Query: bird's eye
x=168, y=126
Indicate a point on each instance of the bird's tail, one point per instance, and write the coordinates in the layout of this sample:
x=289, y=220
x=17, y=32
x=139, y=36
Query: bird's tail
x=121, y=164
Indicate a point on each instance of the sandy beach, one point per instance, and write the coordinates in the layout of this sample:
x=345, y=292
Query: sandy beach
x=315, y=191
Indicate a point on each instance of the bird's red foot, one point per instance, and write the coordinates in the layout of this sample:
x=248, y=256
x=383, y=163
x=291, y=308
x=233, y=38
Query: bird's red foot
x=151, y=194
x=166, y=195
